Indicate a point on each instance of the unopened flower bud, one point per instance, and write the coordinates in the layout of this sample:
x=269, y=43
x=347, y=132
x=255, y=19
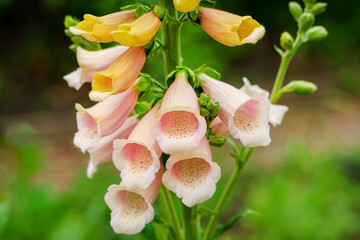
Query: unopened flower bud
x=318, y=8
x=295, y=10
x=286, y=41
x=216, y=109
x=299, y=87
x=204, y=112
x=306, y=21
x=217, y=141
x=203, y=97
x=186, y=5
x=210, y=105
x=159, y=11
x=202, y=102
x=316, y=33
x=207, y=97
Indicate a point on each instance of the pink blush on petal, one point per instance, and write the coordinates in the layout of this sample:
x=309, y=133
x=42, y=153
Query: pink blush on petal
x=140, y=157
x=245, y=117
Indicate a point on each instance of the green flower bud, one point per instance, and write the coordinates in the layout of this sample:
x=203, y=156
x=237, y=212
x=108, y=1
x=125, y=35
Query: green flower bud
x=203, y=96
x=210, y=105
x=316, y=33
x=217, y=141
x=295, y=10
x=306, y=21
x=207, y=97
x=202, y=102
x=204, y=112
x=73, y=47
x=215, y=110
x=299, y=87
x=286, y=41
x=143, y=83
x=318, y=8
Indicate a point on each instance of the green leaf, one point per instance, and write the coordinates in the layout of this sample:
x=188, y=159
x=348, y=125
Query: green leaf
x=4, y=215
x=220, y=229
x=206, y=211
x=208, y=71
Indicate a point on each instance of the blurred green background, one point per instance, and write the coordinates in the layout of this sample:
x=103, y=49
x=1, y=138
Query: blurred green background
x=305, y=185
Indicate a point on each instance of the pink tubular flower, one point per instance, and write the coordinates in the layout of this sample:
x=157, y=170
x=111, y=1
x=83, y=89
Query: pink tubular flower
x=103, y=118
x=246, y=117
x=219, y=128
x=101, y=152
x=230, y=29
x=91, y=62
x=131, y=209
x=277, y=112
x=179, y=127
x=120, y=76
x=192, y=176
x=138, y=156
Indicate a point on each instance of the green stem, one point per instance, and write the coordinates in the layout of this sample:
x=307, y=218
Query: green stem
x=171, y=37
x=226, y=193
x=171, y=212
x=191, y=223
x=285, y=61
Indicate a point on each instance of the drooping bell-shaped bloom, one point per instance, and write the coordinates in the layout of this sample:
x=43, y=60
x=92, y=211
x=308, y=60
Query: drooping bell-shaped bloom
x=230, y=29
x=192, y=176
x=98, y=29
x=119, y=76
x=277, y=112
x=179, y=127
x=186, y=5
x=91, y=62
x=139, y=32
x=131, y=209
x=103, y=118
x=101, y=152
x=138, y=156
x=246, y=117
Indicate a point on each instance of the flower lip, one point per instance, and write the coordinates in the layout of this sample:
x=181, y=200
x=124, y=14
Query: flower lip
x=137, y=162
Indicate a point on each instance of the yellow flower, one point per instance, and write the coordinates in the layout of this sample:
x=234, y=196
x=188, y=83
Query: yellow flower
x=230, y=29
x=186, y=5
x=120, y=76
x=98, y=29
x=139, y=32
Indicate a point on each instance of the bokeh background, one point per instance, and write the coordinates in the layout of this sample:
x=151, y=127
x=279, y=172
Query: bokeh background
x=305, y=185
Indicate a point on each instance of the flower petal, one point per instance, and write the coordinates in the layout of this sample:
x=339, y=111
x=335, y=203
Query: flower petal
x=277, y=113
x=186, y=5
x=192, y=176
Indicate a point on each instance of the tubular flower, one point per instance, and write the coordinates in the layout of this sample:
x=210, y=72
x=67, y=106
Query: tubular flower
x=103, y=118
x=131, y=209
x=277, y=112
x=98, y=29
x=186, y=5
x=101, y=152
x=230, y=29
x=91, y=62
x=139, y=32
x=192, y=176
x=179, y=127
x=246, y=117
x=119, y=76
x=138, y=157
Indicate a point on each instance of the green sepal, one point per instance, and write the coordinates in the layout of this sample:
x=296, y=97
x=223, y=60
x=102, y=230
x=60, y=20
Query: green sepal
x=295, y=9
x=141, y=10
x=220, y=229
x=160, y=12
x=144, y=84
x=141, y=108
x=193, y=15
x=299, y=87
x=70, y=21
x=152, y=48
x=73, y=47
x=318, y=8
x=206, y=211
x=279, y=50
x=217, y=141
x=215, y=110
x=208, y=3
x=190, y=76
x=208, y=71
x=130, y=7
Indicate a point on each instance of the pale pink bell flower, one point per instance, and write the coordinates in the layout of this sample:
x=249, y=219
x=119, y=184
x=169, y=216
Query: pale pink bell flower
x=131, y=209
x=192, y=176
x=246, y=117
x=138, y=156
x=179, y=127
x=103, y=118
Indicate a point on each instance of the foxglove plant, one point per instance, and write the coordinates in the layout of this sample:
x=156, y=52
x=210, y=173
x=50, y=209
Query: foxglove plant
x=158, y=135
